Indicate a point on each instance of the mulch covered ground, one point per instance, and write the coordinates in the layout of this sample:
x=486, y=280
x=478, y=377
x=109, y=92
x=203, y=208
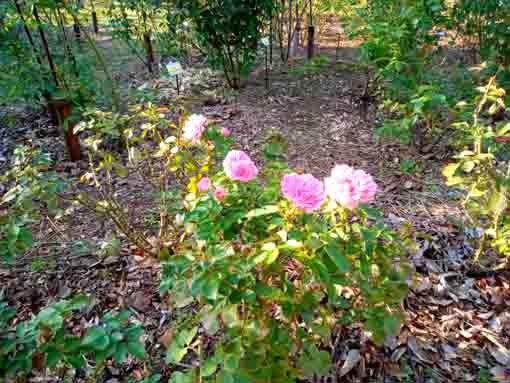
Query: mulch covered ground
x=457, y=320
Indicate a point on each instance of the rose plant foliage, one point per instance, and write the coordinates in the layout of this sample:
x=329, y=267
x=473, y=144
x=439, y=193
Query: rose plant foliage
x=273, y=261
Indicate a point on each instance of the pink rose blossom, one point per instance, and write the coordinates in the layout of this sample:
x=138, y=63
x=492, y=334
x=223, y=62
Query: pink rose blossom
x=225, y=132
x=304, y=191
x=194, y=127
x=365, y=185
x=349, y=187
x=203, y=185
x=239, y=166
x=219, y=193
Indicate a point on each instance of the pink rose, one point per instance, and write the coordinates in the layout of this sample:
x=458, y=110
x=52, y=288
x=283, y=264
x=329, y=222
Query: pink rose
x=349, y=187
x=239, y=166
x=219, y=193
x=365, y=185
x=304, y=191
x=225, y=132
x=203, y=185
x=194, y=127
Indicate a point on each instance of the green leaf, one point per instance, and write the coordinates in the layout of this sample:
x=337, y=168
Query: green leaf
x=121, y=353
x=77, y=361
x=371, y=212
x=224, y=377
x=338, y=257
x=270, y=209
x=392, y=324
x=179, y=377
x=231, y=362
x=179, y=346
x=78, y=302
x=137, y=349
x=449, y=170
x=269, y=253
x=208, y=368
x=498, y=203
x=52, y=357
x=230, y=316
x=175, y=353
x=211, y=287
x=96, y=338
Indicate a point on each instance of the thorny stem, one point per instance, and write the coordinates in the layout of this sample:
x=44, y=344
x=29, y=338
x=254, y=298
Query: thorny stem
x=140, y=242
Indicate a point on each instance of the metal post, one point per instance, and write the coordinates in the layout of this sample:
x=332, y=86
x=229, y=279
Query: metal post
x=267, y=72
x=271, y=37
x=311, y=32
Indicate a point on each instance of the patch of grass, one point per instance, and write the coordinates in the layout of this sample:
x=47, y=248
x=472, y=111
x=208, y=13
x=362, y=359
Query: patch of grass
x=311, y=67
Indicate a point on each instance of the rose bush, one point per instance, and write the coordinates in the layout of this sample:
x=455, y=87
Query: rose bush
x=273, y=261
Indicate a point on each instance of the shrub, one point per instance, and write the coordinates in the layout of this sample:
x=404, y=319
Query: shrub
x=228, y=32
x=273, y=265
x=484, y=178
x=271, y=260
x=47, y=341
x=486, y=22
x=32, y=186
x=168, y=157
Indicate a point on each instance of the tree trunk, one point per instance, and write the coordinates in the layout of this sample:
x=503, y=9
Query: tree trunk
x=61, y=109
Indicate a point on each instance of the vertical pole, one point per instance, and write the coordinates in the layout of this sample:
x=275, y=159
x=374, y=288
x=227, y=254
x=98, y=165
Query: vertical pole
x=94, y=18
x=271, y=36
x=94, y=22
x=311, y=32
x=267, y=72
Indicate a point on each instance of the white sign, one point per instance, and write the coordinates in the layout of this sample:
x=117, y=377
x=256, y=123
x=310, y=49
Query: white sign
x=174, y=68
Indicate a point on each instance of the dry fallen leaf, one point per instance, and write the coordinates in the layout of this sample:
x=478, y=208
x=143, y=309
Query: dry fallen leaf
x=137, y=374
x=167, y=338
x=421, y=354
x=501, y=354
x=353, y=357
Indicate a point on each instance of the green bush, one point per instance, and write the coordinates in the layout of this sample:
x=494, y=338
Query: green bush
x=228, y=31
x=478, y=172
x=270, y=281
x=47, y=341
